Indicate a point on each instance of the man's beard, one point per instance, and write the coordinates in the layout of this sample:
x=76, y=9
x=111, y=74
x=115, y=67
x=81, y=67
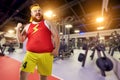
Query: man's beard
x=37, y=20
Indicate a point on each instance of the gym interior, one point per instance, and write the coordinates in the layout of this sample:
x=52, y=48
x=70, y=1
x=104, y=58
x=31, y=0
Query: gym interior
x=89, y=32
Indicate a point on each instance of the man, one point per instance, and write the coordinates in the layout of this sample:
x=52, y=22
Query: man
x=42, y=44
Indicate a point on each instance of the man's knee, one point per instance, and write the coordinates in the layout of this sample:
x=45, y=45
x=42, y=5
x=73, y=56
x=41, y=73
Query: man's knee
x=23, y=75
x=42, y=77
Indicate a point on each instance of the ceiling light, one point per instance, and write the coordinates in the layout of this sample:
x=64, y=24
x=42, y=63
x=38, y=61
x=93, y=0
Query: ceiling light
x=100, y=19
x=49, y=14
x=68, y=26
x=11, y=31
x=77, y=31
x=100, y=28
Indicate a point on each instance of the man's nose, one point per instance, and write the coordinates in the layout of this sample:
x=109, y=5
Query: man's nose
x=38, y=11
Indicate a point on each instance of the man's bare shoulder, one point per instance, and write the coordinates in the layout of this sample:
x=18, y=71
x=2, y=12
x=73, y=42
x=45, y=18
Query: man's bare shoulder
x=26, y=26
x=50, y=23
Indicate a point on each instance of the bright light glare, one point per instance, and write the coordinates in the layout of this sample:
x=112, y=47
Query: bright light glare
x=100, y=19
x=68, y=26
x=100, y=28
x=11, y=31
x=61, y=33
x=49, y=14
x=102, y=38
x=77, y=31
x=54, y=15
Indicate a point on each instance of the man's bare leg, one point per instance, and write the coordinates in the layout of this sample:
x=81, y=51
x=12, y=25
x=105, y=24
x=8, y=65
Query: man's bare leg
x=43, y=77
x=23, y=75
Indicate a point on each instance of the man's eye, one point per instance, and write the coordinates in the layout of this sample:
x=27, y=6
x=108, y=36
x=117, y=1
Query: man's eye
x=36, y=10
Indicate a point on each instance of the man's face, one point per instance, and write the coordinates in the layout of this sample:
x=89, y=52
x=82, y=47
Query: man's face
x=36, y=14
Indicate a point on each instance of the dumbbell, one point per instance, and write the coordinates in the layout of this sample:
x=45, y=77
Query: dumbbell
x=104, y=63
x=81, y=57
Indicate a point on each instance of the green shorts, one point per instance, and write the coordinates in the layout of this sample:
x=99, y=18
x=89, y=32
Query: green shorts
x=43, y=62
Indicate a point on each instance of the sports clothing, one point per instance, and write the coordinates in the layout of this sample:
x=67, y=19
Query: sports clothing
x=39, y=38
x=43, y=61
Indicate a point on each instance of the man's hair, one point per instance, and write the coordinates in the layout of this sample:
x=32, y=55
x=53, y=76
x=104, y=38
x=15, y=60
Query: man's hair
x=33, y=5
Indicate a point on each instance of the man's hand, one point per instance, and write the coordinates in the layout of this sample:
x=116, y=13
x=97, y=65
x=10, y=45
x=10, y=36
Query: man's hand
x=54, y=52
x=19, y=26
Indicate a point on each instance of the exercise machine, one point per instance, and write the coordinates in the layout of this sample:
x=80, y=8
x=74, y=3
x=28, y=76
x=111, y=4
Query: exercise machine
x=103, y=62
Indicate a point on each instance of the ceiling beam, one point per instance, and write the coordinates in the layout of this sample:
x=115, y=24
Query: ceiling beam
x=84, y=13
x=16, y=12
x=77, y=17
x=81, y=7
x=66, y=6
x=6, y=14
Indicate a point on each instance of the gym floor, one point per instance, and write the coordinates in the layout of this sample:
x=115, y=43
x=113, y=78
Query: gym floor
x=70, y=68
